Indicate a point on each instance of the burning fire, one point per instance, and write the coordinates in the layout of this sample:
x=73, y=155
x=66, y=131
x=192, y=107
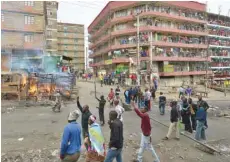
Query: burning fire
x=33, y=87
x=23, y=81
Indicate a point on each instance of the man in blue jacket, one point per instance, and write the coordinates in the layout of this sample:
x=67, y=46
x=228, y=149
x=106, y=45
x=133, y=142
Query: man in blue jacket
x=71, y=139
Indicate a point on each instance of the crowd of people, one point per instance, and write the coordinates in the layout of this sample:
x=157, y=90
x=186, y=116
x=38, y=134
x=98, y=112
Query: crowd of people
x=183, y=111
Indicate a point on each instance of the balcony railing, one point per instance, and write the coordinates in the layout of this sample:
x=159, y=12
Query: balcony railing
x=184, y=73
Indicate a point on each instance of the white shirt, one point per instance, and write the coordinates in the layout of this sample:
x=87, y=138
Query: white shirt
x=119, y=111
x=147, y=96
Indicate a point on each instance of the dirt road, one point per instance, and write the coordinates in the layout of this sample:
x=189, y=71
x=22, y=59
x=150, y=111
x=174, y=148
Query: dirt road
x=35, y=133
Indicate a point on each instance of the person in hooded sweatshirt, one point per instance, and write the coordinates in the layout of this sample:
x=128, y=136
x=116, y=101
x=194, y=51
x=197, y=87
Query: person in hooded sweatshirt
x=71, y=139
x=200, y=128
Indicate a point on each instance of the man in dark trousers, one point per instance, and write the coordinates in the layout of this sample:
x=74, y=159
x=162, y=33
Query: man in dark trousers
x=162, y=103
x=146, y=141
x=116, y=138
x=204, y=104
x=101, y=107
x=84, y=118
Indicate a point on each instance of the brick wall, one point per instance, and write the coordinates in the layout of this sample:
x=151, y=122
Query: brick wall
x=16, y=22
x=17, y=40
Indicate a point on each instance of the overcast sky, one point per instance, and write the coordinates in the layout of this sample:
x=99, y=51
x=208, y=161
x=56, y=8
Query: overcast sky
x=84, y=12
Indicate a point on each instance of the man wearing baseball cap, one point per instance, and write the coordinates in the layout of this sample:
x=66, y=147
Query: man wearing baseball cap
x=71, y=139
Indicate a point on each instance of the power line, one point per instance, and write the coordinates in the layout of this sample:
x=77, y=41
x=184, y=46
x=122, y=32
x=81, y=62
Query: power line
x=80, y=5
x=92, y=4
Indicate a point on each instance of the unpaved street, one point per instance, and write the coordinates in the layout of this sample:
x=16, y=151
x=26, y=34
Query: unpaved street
x=35, y=133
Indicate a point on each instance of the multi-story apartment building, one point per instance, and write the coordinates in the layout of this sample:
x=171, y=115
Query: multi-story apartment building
x=71, y=43
x=22, y=29
x=172, y=38
x=219, y=46
x=51, y=8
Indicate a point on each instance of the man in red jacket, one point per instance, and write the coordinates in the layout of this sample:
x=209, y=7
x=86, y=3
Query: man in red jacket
x=146, y=133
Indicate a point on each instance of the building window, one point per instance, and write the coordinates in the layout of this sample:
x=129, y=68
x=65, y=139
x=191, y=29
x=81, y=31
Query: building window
x=49, y=33
x=66, y=47
x=29, y=3
x=65, y=53
x=29, y=38
x=29, y=19
x=2, y=17
x=75, y=47
x=49, y=13
x=65, y=28
x=65, y=34
x=75, y=40
x=65, y=40
x=50, y=23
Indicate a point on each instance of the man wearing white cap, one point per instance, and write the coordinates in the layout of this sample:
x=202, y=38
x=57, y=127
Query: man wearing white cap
x=71, y=139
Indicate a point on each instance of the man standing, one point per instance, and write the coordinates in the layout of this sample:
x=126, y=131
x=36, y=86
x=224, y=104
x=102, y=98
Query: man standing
x=120, y=110
x=101, y=107
x=116, y=138
x=146, y=142
x=162, y=103
x=181, y=91
x=101, y=79
x=147, y=98
x=117, y=92
x=71, y=139
x=84, y=118
x=204, y=104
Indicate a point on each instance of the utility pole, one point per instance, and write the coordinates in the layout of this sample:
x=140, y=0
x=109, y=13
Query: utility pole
x=151, y=57
x=138, y=50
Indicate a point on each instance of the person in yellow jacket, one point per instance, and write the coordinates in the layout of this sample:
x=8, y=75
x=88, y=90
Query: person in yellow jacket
x=101, y=79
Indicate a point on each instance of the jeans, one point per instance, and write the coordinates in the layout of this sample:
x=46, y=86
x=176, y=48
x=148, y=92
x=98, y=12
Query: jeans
x=200, y=131
x=101, y=115
x=162, y=108
x=173, y=125
x=112, y=154
x=72, y=158
x=193, y=119
x=146, y=145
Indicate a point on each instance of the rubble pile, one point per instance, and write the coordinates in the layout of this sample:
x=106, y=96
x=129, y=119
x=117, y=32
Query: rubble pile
x=40, y=155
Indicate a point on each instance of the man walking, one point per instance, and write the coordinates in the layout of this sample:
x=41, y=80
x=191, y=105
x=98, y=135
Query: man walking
x=204, y=104
x=146, y=142
x=101, y=107
x=120, y=110
x=84, y=118
x=71, y=139
x=116, y=138
x=174, y=115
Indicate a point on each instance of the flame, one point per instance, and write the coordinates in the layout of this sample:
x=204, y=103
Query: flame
x=23, y=80
x=33, y=87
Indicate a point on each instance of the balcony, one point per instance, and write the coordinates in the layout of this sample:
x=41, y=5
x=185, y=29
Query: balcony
x=100, y=52
x=184, y=73
x=180, y=45
x=188, y=59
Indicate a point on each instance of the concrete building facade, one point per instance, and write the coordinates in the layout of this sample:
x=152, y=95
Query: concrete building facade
x=22, y=29
x=172, y=38
x=51, y=27
x=219, y=46
x=71, y=43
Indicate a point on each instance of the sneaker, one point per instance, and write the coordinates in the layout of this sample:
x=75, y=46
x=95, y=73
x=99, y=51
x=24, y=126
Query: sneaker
x=166, y=138
x=194, y=131
x=178, y=139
